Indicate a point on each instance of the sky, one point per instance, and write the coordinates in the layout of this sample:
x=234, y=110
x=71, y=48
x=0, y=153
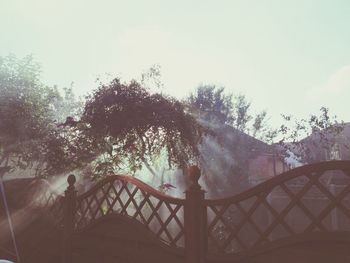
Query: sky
x=287, y=57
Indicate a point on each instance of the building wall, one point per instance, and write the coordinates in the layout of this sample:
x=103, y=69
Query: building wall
x=264, y=167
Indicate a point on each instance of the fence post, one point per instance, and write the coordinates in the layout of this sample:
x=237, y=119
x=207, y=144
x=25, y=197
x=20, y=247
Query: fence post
x=195, y=219
x=68, y=219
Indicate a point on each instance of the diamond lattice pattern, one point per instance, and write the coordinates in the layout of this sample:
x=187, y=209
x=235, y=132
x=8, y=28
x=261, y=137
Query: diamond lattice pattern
x=306, y=203
x=162, y=217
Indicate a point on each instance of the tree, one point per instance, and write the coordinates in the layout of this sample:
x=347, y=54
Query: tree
x=131, y=126
x=312, y=139
x=29, y=111
x=212, y=105
x=233, y=142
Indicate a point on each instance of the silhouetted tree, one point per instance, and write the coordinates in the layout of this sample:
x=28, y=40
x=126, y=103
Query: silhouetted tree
x=133, y=126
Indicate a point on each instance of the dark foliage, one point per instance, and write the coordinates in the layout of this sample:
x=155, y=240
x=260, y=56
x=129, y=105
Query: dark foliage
x=313, y=139
x=212, y=104
x=134, y=126
x=29, y=136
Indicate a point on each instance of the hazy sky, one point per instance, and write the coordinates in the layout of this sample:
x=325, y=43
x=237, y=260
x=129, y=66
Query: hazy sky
x=286, y=56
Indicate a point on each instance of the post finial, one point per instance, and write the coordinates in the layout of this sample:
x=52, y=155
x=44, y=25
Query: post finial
x=194, y=174
x=71, y=179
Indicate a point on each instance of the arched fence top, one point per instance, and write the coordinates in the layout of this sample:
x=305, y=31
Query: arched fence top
x=301, y=201
x=128, y=196
x=134, y=181
x=311, y=169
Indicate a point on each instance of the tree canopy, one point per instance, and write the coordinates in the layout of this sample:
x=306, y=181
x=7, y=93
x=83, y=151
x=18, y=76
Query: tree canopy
x=133, y=125
x=29, y=111
x=214, y=106
x=124, y=126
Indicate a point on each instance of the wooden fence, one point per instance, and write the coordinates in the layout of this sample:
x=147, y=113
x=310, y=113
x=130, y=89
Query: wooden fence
x=305, y=203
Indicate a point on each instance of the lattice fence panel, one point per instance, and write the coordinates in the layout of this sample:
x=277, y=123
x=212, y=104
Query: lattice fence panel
x=306, y=203
x=160, y=215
